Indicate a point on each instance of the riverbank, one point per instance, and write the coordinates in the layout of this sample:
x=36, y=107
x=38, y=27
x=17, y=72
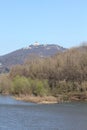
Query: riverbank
x=60, y=98
x=37, y=99
x=51, y=99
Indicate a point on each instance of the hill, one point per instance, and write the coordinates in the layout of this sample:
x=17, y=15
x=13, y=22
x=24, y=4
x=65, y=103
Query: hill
x=19, y=56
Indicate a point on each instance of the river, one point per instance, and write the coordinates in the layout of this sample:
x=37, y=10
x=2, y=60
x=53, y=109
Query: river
x=19, y=115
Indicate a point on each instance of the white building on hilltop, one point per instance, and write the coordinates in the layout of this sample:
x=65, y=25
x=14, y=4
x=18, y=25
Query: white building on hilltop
x=36, y=44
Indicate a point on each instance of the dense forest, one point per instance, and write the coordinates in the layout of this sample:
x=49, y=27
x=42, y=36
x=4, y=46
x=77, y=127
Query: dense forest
x=63, y=75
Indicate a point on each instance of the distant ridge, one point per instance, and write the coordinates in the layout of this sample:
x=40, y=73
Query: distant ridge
x=18, y=56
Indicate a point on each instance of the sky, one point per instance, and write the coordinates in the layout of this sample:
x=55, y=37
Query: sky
x=22, y=22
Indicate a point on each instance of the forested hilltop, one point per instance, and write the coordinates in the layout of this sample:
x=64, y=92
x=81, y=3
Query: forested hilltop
x=63, y=76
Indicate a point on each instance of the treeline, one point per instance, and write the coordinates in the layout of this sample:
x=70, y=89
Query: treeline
x=61, y=74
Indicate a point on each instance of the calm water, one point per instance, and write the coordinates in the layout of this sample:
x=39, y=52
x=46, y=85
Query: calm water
x=18, y=115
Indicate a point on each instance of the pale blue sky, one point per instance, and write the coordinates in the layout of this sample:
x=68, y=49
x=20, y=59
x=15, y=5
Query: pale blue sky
x=22, y=22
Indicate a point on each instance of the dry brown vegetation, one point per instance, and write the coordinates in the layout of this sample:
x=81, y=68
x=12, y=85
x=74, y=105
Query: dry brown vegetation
x=63, y=74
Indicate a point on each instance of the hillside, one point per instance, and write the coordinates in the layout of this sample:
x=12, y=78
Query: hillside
x=19, y=56
x=63, y=76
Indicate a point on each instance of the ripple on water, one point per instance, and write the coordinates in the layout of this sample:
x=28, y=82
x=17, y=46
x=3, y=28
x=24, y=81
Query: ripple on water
x=18, y=115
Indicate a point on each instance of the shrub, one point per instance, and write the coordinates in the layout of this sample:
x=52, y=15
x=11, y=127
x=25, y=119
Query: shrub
x=5, y=84
x=21, y=85
x=84, y=86
x=39, y=89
